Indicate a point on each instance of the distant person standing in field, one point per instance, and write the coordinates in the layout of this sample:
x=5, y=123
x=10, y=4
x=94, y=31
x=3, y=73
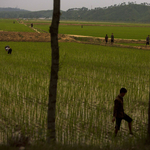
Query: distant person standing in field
x=106, y=38
x=147, y=40
x=112, y=39
x=119, y=114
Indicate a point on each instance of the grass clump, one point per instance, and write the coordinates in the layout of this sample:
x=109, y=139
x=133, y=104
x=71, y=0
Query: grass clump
x=18, y=139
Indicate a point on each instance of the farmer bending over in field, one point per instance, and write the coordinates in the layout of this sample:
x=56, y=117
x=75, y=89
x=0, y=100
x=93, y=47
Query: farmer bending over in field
x=119, y=112
x=8, y=49
x=147, y=40
x=106, y=38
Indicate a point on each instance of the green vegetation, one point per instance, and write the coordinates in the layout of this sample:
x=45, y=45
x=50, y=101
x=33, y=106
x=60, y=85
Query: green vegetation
x=37, y=21
x=13, y=13
x=89, y=79
x=98, y=31
x=123, y=12
x=133, y=44
x=101, y=31
x=8, y=25
x=104, y=23
x=38, y=14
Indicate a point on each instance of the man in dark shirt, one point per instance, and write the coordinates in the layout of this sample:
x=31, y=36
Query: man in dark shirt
x=112, y=38
x=147, y=40
x=118, y=113
x=106, y=38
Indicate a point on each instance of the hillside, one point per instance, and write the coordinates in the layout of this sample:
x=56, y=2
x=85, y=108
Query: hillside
x=121, y=13
x=11, y=9
x=12, y=12
x=130, y=12
x=19, y=13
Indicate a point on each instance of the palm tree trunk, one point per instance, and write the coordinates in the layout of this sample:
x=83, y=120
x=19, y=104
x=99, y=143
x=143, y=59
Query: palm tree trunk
x=51, y=134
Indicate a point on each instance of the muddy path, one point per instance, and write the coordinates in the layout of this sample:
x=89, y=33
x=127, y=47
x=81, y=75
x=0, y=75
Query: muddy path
x=24, y=37
x=45, y=37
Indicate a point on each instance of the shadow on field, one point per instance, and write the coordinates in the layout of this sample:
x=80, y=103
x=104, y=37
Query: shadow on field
x=141, y=144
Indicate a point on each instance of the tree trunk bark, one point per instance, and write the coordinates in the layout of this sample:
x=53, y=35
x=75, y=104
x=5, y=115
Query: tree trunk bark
x=149, y=114
x=51, y=134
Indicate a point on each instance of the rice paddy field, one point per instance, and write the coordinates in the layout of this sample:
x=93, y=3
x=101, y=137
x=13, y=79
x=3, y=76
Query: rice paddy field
x=8, y=25
x=90, y=78
x=123, y=32
x=85, y=22
x=133, y=44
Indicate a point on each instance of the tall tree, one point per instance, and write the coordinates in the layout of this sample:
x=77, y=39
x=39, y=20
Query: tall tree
x=149, y=114
x=51, y=134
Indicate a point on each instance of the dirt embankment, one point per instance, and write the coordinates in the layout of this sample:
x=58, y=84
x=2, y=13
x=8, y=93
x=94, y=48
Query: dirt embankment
x=45, y=37
x=32, y=37
x=24, y=36
x=118, y=42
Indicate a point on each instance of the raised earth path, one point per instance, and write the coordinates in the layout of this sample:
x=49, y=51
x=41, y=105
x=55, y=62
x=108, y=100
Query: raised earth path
x=45, y=37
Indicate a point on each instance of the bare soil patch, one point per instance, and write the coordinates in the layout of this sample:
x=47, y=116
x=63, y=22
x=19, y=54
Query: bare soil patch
x=24, y=36
x=45, y=37
x=101, y=41
x=32, y=37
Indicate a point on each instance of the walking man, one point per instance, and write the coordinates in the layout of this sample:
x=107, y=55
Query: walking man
x=147, y=40
x=106, y=38
x=119, y=114
x=112, y=39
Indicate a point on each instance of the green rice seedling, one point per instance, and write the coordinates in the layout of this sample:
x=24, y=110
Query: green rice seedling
x=7, y=25
x=121, y=32
x=89, y=80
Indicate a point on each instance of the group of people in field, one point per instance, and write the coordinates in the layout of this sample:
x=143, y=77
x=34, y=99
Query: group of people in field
x=112, y=39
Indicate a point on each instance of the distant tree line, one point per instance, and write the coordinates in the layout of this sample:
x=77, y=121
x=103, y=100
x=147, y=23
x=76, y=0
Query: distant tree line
x=123, y=12
x=11, y=9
